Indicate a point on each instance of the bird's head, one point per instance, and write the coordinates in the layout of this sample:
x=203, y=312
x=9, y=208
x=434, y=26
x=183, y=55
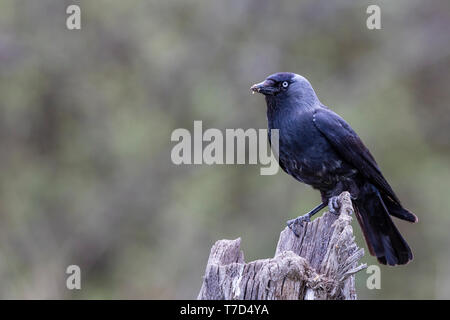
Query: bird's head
x=285, y=85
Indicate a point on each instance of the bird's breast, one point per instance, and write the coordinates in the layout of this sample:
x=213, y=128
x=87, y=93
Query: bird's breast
x=304, y=152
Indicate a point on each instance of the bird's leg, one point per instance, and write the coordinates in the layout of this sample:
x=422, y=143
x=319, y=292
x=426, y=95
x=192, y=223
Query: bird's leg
x=333, y=205
x=305, y=217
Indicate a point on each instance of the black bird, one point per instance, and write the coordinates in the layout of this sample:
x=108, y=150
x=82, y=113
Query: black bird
x=317, y=147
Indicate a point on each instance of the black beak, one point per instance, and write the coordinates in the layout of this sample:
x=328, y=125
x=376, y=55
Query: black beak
x=265, y=88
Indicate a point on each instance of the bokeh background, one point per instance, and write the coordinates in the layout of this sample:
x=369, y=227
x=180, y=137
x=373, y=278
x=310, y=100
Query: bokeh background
x=86, y=117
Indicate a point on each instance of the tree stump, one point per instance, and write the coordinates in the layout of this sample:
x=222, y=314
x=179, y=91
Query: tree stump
x=319, y=264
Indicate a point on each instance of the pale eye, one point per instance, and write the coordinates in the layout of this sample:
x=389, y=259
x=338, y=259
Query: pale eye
x=285, y=84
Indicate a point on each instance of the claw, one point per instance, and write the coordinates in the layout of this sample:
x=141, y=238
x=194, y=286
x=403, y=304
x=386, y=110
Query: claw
x=333, y=205
x=299, y=220
x=304, y=218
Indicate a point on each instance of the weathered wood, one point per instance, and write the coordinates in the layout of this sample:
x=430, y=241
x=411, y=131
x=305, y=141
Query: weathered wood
x=319, y=264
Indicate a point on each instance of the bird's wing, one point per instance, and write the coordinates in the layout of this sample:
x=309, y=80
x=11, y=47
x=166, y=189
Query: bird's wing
x=346, y=143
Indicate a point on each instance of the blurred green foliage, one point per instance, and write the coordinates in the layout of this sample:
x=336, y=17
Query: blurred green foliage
x=86, y=118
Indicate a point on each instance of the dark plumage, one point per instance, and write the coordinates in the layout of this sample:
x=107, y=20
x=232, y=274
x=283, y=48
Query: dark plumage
x=317, y=147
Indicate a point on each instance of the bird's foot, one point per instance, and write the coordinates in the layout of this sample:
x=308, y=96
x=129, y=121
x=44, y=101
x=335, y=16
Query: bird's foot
x=333, y=205
x=299, y=220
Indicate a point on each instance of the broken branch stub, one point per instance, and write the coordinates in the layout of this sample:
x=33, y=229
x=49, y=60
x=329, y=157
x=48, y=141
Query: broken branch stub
x=319, y=264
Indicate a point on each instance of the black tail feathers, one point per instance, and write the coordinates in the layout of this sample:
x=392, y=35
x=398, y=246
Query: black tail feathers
x=382, y=237
x=396, y=210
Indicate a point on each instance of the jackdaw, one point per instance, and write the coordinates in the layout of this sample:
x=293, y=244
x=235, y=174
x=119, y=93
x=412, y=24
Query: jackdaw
x=317, y=147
